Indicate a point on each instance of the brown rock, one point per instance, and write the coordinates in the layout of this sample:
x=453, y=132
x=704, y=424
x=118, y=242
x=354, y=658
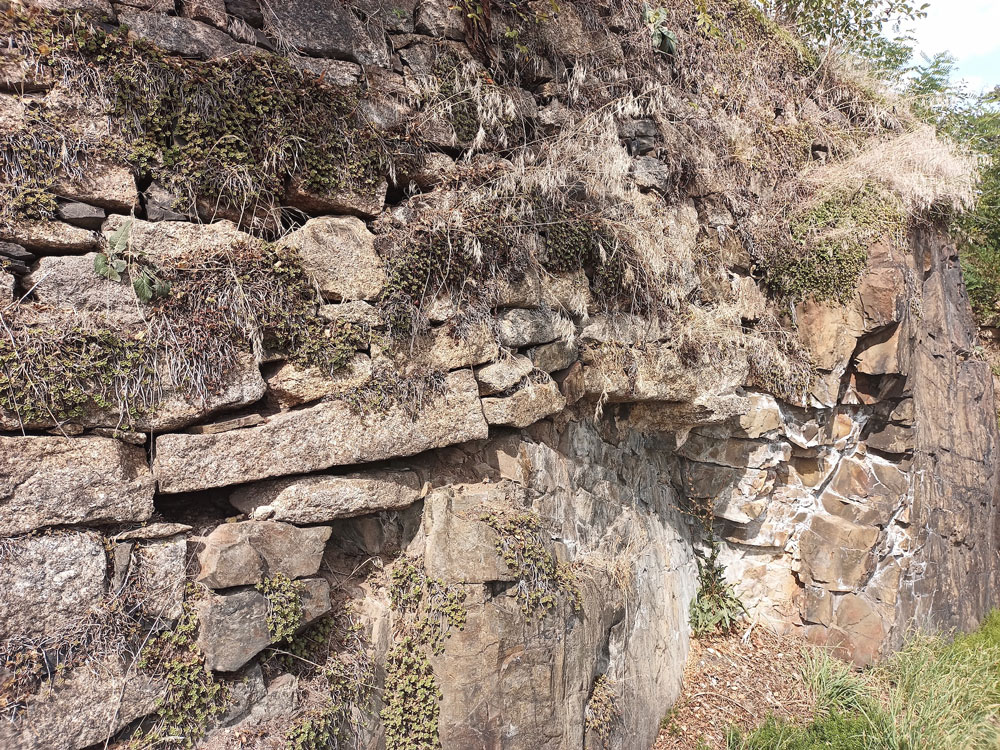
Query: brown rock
x=836, y=554
x=292, y=385
x=366, y=203
x=555, y=356
x=105, y=183
x=209, y=11
x=518, y=327
x=47, y=481
x=318, y=499
x=237, y=554
x=460, y=548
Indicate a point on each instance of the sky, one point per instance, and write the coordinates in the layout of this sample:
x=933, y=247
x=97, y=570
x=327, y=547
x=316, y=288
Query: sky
x=969, y=30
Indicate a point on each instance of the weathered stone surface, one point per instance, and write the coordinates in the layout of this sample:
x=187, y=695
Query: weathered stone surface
x=209, y=11
x=96, y=6
x=48, y=584
x=518, y=327
x=525, y=406
x=153, y=531
x=171, y=239
x=19, y=76
x=104, y=183
x=444, y=348
x=83, y=708
x=81, y=215
x=323, y=29
x=160, y=566
x=333, y=72
x=339, y=252
x=238, y=554
x=47, y=481
x=180, y=36
x=318, y=499
x=328, y=434
x=69, y=282
x=502, y=375
x=233, y=627
x=292, y=385
x=460, y=548
x=50, y=237
x=440, y=18
x=7, y=285
x=836, y=553
x=366, y=203
x=555, y=356
x=361, y=313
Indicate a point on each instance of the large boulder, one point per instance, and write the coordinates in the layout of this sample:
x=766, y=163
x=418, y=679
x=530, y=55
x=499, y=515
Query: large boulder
x=237, y=554
x=48, y=584
x=318, y=499
x=48, y=481
x=332, y=433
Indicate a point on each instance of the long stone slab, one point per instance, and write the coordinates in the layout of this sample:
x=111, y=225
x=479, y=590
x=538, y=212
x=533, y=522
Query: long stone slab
x=46, y=481
x=332, y=433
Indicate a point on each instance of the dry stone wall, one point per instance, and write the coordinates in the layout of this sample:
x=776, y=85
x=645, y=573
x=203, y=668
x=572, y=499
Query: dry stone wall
x=422, y=380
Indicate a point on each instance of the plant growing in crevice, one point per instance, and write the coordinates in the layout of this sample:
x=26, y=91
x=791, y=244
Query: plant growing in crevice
x=603, y=713
x=427, y=611
x=542, y=580
x=716, y=608
x=333, y=662
x=193, y=695
x=118, y=260
x=284, y=605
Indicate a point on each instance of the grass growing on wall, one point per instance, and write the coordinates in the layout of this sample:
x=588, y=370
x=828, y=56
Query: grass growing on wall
x=935, y=693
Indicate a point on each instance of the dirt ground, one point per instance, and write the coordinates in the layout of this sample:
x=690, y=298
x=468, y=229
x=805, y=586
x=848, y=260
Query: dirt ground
x=735, y=680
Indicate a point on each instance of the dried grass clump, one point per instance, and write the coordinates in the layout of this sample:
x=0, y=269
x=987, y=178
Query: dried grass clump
x=923, y=170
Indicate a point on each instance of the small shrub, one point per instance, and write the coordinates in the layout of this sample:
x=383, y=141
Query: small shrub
x=716, y=608
x=603, y=714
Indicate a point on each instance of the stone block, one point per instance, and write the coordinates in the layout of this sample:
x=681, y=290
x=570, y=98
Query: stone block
x=332, y=433
x=238, y=554
x=339, y=252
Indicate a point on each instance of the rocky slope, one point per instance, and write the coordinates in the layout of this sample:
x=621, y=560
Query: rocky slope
x=374, y=373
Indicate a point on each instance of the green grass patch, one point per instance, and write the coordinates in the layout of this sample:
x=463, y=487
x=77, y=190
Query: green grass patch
x=935, y=693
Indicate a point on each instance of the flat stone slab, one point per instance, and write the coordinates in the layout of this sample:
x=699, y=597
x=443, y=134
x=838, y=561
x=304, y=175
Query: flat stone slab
x=317, y=499
x=332, y=433
x=45, y=481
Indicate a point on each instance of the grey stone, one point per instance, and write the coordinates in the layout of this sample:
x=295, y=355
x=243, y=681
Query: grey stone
x=209, y=11
x=152, y=531
x=317, y=499
x=233, y=627
x=440, y=18
x=49, y=583
x=323, y=28
x=339, y=252
x=525, y=406
x=83, y=708
x=7, y=286
x=499, y=376
x=555, y=356
x=106, y=183
x=160, y=567
x=459, y=547
x=291, y=385
x=180, y=36
x=332, y=433
x=49, y=237
x=69, y=282
x=46, y=481
x=518, y=327
x=81, y=215
x=161, y=205
x=237, y=554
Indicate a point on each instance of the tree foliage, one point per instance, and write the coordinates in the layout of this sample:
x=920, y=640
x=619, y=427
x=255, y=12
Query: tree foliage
x=856, y=23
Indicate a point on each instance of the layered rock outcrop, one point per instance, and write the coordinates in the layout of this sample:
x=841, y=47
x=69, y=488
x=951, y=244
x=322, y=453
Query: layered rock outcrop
x=381, y=372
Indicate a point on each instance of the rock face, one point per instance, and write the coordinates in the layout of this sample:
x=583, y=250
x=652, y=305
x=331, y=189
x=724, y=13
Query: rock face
x=470, y=434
